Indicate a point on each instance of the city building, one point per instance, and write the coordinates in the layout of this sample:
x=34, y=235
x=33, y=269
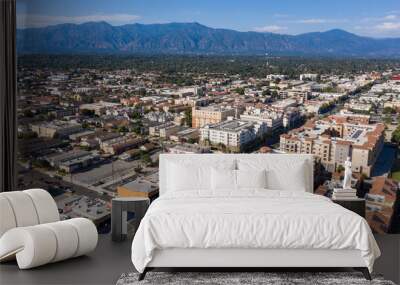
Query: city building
x=53, y=129
x=309, y=76
x=73, y=161
x=234, y=134
x=98, y=108
x=273, y=120
x=381, y=200
x=164, y=130
x=140, y=187
x=185, y=134
x=213, y=114
x=189, y=148
x=121, y=144
x=334, y=138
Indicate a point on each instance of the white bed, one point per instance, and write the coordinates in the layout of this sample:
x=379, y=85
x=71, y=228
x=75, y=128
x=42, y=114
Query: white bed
x=248, y=227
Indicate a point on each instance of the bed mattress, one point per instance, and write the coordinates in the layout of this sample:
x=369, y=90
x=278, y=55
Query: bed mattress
x=250, y=219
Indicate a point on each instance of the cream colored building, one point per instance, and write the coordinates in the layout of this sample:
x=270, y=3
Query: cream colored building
x=202, y=116
x=334, y=138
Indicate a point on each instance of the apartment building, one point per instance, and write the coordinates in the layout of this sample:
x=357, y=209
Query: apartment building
x=334, y=138
x=381, y=201
x=202, y=116
x=273, y=120
x=234, y=134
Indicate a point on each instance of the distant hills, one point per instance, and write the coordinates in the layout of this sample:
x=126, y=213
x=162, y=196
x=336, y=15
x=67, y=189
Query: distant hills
x=194, y=38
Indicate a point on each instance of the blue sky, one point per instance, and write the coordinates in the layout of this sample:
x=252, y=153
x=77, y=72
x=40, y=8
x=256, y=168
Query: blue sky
x=376, y=18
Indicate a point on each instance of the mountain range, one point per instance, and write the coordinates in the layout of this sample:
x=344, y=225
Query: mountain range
x=194, y=38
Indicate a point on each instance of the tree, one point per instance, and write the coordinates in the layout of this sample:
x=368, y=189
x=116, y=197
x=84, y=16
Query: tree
x=123, y=129
x=188, y=117
x=240, y=91
x=88, y=113
x=340, y=168
x=389, y=110
x=387, y=119
x=396, y=136
x=266, y=92
x=145, y=157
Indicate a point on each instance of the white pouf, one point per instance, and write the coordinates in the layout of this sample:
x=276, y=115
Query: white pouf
x=31, y=233
x=41, y=244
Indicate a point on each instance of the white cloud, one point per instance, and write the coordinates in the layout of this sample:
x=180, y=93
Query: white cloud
x=279, y=15
x=37, y=20
x=388, y=26
x=270, y=29
x=391, y=17
x=312, y=21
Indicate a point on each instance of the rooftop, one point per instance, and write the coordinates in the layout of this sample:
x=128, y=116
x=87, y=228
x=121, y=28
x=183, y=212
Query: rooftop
x=231, y=126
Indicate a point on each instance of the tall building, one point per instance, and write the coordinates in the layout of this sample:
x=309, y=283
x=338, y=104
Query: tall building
x=202, y=116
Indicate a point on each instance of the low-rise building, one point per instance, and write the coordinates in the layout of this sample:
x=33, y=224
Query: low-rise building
x=189, y=148
x=141, y=187
x=121, y=144
x=73, y=161
x=56, y=129
x=164, y=130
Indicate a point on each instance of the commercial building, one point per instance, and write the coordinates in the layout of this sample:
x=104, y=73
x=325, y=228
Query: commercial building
x=189, y=148
x=120, y=144
x=140, y=187
x=56, y=129
x=164, y=130
x=99, y=108
x=202, y=116
x=73, y=161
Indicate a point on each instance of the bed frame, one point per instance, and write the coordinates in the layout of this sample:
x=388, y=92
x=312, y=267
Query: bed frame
x=249, y=259
x=242, y=259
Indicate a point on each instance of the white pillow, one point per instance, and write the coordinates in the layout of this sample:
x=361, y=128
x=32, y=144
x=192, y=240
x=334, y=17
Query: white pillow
x=182, y=177
x=296, y=181
x=223, y=179
x=284, y=173
x=186, y=174
x=251, y=178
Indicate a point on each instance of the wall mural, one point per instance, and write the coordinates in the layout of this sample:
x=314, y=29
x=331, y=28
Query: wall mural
x=102, y=95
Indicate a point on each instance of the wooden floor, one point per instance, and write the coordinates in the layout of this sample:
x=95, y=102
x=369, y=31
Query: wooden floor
x=110, y=260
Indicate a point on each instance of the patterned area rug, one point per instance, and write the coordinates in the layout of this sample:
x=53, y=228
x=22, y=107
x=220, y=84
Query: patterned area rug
x=242, y=278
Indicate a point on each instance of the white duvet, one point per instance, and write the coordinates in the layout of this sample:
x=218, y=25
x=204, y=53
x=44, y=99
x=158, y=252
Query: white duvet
x=250, y=219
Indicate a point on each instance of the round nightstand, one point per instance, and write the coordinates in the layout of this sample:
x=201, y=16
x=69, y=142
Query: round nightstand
x=119, y=213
